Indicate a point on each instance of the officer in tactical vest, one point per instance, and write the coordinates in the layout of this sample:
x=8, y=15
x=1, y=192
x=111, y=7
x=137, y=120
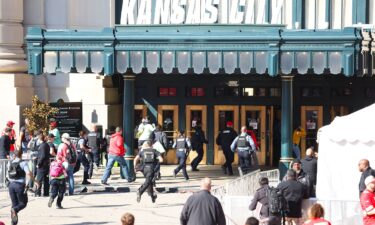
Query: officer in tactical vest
x=16, y=175
x=150, y=158
x=225, y=139
x=183, y=146
x=93, y=142
x=245, y=147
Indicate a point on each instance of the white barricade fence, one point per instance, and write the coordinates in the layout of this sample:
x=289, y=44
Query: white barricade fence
x=3, y=171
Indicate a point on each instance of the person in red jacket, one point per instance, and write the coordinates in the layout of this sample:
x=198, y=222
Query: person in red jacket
x=116, y=152
x=368, y=201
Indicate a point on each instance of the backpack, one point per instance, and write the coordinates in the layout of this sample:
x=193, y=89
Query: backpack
x=15, y=171
x=276, y=201
x=56, y=169
x=72, y=157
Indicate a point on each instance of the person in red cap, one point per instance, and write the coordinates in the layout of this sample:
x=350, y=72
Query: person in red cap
x=53, y=130
x=225, y=139
x=368, y=201
x=12, y=135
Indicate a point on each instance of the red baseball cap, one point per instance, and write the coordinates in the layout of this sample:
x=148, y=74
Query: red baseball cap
x=10, y=123
x=53, y=124
x=229, y=123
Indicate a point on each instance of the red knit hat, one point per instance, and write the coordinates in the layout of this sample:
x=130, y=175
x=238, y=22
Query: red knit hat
x=229, y=123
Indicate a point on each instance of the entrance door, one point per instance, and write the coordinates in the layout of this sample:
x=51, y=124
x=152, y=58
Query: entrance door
x=338, y=111
x=254, y=118
x=140, y=112
x=223, y=114
x=196, y=114
x=311, y=121
x=168, y=119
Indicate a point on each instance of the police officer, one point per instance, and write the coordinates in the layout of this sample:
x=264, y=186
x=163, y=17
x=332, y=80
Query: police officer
x=17, y=172
x=93, y=142
x=82, y=151
x=245, y=147
x=225, y=139
x=150, y=158
x=199, y=140
x=182, y=145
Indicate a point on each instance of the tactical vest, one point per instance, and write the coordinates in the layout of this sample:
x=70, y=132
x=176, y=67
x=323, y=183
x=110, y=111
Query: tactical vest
x=92, y=140
x=148, y=155
x=15, y=171
x=180, y=143
x=242, y=142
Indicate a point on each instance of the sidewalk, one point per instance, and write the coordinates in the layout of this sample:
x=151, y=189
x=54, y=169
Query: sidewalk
x=167, y=183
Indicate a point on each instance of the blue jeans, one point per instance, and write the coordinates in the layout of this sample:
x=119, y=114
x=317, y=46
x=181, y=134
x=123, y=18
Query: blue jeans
x=296, y=151
x=17, y=195
x=70, y=173
x=121, y=161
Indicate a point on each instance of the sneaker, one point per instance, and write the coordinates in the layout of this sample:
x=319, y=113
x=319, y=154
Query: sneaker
x=50, y=202
x=138, y=197
x=153, y=198
x=104, y=183
x=59, y=206
x=174, y=174
x=194, y=169
x=86, y=182
x=14, y=216
x=240, y=171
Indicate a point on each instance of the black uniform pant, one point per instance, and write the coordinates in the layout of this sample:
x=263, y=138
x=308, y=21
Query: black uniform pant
x=58, y=188
x=198, y=159
x=18, y=196
x=245, y=161
x=81, y=159
x=181, y=156
x=42, y=176
x=96, y=156
x=148, y=172
x=229, y=158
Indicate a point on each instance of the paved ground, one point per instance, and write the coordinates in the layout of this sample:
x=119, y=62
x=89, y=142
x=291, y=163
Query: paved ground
x=103, y=205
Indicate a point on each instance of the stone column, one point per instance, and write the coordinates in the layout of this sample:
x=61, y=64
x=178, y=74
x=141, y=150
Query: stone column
x=15, y=85
x=286, y=123
x=128, y=120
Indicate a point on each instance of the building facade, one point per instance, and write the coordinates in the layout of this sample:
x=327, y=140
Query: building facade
x=272, y=65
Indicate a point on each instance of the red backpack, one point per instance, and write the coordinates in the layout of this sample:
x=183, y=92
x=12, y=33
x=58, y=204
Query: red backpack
x=56, y=169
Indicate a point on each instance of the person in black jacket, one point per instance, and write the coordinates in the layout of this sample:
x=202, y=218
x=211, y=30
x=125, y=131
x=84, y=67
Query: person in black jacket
x=161, y=137
x=225, y=139
x=310, y=166
x=203, y=208
x=294, y=192
x=197, y=141
x=365, y=169
x=5, y=142
x=261, y=197
x=42, y=165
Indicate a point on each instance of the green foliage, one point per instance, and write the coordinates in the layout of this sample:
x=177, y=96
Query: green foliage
x=38, y=115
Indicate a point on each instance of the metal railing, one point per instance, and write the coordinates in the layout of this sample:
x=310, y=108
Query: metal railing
x=246, y=185
x=3, y=172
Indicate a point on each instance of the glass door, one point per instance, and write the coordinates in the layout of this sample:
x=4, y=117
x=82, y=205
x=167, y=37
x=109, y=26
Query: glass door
x=254, y=118
x=338, y=111
x=168, y=119
x=196, y=115
x=311, y=121
x=223, y=114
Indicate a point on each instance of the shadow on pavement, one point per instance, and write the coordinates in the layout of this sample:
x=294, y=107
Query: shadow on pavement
x=86, y=223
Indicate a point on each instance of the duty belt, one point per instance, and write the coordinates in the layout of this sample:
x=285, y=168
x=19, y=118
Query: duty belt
x=181, y=149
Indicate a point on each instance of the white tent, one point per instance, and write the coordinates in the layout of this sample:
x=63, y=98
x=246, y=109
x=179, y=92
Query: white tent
x=342, y=144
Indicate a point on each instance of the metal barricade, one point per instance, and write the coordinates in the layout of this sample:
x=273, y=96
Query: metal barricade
x=3, y=169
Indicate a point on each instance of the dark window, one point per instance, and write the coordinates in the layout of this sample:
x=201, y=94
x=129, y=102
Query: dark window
x=311, y=92
x=251, y=91
x=164, y=92
x=341, y=92
x=227, y=91
x=275, y=92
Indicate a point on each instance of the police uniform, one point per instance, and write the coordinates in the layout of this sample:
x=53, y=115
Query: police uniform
x=225, y=139
x=93, y=141
x=245, y=147
x=182, y=146
x=81, y=158
x=149, y=157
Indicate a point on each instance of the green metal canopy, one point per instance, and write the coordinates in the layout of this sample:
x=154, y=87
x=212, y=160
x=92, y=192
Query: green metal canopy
x=198, y=49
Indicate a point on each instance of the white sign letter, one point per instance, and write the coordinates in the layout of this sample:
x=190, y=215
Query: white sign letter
x=194, y=12
x=261, y=12
x=236, y=16
x=178, y=12
x=144, y=12
x=210, y=12
x=249, y=17
x=276, y=12
x=224, y=12
x=127, y=14
x=162, y=11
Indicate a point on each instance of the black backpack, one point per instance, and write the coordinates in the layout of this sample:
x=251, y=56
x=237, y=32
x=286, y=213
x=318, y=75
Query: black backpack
x=15, y=171
x=277, y=203
x=72, y=157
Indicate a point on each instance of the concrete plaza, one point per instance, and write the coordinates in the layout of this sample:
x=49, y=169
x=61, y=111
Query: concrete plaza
x=105, y=205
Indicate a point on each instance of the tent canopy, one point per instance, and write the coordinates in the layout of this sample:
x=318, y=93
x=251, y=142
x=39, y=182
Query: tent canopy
x=342, y=144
